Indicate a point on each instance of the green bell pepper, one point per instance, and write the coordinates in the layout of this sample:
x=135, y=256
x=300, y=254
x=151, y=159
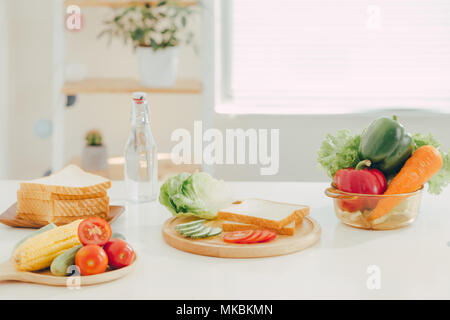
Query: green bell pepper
x=386, y=143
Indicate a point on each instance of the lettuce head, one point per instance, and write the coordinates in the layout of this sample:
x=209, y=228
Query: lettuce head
x=196, y=194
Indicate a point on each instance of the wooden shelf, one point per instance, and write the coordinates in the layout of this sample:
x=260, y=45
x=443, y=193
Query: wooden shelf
x=118, y=3
x=166, y=168
x=124, y=85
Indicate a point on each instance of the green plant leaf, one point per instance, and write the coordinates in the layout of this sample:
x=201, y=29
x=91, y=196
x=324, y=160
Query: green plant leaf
x=141, y=25
x=153, y=44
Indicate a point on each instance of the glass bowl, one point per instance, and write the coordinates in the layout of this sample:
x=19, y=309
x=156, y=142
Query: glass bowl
x=355, y=209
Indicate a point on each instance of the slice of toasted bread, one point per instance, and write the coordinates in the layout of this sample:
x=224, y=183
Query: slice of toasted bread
x=58, y=219
x=69, y=181
x=264, y=213
x=100, y=203
x=62, y=207
x=32, y=206
x=39, y=195
x=288, y=230
x=65, y=220
x=73, y=212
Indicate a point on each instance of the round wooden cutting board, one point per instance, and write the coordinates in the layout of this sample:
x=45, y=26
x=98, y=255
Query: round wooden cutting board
x=306, y=234
x=9, y=273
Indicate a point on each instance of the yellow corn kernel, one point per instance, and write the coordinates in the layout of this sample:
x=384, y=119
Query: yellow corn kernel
x=39, y=251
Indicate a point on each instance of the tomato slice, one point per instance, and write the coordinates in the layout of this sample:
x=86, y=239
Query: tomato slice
x=260, y=236
x=94, y=230
x=235, y=236
x=264, y=234
x=268, y=236
x=253, y=238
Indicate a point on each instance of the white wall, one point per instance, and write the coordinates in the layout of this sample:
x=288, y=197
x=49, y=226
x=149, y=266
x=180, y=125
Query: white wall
x=110, y=113
x=30, y=86
x=4, y=90
x=31, y=89
x=301, y=136
x=30, y=99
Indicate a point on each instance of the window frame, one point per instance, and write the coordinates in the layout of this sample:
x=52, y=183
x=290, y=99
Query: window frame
x=225, y=103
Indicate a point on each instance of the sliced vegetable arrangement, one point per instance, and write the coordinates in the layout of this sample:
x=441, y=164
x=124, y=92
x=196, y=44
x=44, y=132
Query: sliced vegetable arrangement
x=197, y=230
x=249, y=236
x=383, y=160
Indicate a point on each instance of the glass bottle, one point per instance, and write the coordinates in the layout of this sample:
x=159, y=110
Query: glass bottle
x=141, y=157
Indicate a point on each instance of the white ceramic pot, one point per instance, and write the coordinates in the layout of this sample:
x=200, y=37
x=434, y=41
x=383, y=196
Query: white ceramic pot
x=94, y=158
x=159, y=68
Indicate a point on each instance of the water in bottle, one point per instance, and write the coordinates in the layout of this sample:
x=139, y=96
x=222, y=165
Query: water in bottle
x=141, y=157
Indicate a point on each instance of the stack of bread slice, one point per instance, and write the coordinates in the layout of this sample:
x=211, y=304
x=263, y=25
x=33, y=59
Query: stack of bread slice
x=258, y=214
x=63, y=197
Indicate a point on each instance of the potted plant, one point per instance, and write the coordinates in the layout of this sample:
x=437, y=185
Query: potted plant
x=156, y=31
x=94, y=157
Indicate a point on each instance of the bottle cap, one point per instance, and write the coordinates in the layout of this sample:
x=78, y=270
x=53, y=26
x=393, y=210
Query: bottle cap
x=139, y=96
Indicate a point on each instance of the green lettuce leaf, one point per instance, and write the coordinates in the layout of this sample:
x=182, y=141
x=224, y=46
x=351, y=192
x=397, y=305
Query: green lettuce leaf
x=196, y=194
x=441, y=179
x=171, y=187
x=339, y=152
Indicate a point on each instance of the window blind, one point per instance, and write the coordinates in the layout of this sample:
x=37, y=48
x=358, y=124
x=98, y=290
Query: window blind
x=303, y=55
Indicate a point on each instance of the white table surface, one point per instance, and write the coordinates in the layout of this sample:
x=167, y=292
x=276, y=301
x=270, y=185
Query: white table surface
x=414, y=262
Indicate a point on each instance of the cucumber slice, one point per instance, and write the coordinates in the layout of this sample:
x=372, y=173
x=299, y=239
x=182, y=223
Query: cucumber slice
x=214, y=232
x=201, y=234
x=200, y=228
x=187, y=229
x=189, y=224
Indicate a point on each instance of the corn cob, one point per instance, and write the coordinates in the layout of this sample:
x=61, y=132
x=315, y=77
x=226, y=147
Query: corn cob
x=39, y=251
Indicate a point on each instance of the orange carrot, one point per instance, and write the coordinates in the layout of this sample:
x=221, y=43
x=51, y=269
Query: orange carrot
x=417, y=170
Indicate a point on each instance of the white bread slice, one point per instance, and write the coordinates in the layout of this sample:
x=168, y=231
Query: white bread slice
x=62, y=207
x=65, y=220
x=39, y=195
x=69, y=181
x=73, y=212
x=57, y=220
x=288, y=230
x=264, y=213
x=99, y=203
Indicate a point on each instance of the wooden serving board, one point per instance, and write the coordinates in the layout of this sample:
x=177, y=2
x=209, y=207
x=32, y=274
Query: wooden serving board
x=9, y=217
x=9, y=273
x=306, y=234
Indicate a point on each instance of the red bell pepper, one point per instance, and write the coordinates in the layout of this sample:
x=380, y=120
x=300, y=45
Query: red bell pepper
x=363, y=180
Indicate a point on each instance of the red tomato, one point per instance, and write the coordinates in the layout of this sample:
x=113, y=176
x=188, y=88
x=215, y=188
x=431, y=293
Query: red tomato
x=235, y=236
x=120, y=254
x=91, y=259
x=94, y=230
